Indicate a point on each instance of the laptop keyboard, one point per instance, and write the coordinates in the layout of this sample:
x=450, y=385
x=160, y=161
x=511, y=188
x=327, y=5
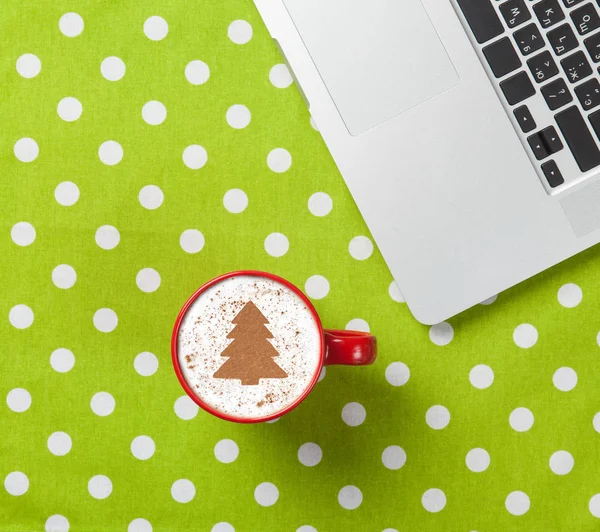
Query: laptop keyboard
x=543, y=57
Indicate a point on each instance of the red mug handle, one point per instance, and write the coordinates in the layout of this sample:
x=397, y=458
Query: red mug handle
x=349, y=348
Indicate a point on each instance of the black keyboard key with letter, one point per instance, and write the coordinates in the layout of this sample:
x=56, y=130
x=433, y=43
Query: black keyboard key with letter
x=515, y=13
x=482, y=19
x=595, y=121
x=552, y=173
x=548, y=12
x=586, y=19
x=563, y=39
x=576, y=67
x=579, y=139
x=502, y=57
x=593, y=47
x=517, y=88
x=571, y=3
x=589, y=94
x=542, y=67
x=529, y=39
x=525, y=119
x=557, y=94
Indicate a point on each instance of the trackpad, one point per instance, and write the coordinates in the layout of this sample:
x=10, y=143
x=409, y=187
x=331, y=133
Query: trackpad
x=377, y=58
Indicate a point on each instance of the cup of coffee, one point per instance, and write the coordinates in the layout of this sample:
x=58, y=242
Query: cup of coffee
x=249, y=347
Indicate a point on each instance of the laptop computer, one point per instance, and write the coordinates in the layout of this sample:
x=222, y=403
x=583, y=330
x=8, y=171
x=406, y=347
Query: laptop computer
x=468, y=132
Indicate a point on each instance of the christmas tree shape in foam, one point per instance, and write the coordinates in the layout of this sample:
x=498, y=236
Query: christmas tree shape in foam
x=250, y=355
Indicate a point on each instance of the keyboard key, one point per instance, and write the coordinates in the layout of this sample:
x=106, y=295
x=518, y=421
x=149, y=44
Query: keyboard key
x=552, y=173
x=517, y=88
x=515, y=13
x=538, y=147
x=579, y=139
x=542, y=67
x=529, y=39
x=586, y=19
x=595, y=121
x=502, y=57
x=571, y=3
x=548, y=12
x=551, y=140
x=576, y=67
x=525, y=119
x=589, y=94
x=593, y=46
x=482, y=19
x=563, y=39
x=557, y=94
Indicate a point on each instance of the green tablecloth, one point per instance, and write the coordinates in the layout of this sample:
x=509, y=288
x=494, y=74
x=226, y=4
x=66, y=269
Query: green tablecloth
x=141, y=157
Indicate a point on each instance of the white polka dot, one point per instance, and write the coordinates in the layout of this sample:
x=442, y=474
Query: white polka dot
x=594, y=505
x=360, y=248
x=69, y=109
x=20, y=316
x=434, y=500
x=565, y=379
x=394, y=292
x=62, y=360
x=71, y=24
x=354, y=414
x=100, y=487
x=26, y=150
x=390, y=530
x=16, y=483
x=322, y=374
x=441, y=334
x=437, y=417
x=561, y=462
x=489, y=300
x=598, y=339
x=350, y=497
x=156, y=28
x=277, y=245
x=197, y=72
x=64, y=276
x=57, y=523
x=154, y=113
x=110, y=152
x=596, y=422
x=240, y=31
x=59, y=443
x=570, y=295
x=185, y=408
x=393, y=457
x=112, y=68
x=280, y=76
x=148, y=280
x=29, y=65
x=226, y=451
x=517, y=503
x=105, y=320
x=183, y=490
x=357, y=324
x=195, y=157
x=525, y=335
x=279, y=160
x=143, y=447
x=146, y=364
x=18, y=400
x=103, y=404
x=238, y=116
x=521, y=419
x=317, y=287
x=266, y=494
x=397, y=373
x=235, y=200
x=139, y=525
x=320, y=204
x=222, y=527
x=107, y=237
x=151, y=197
x=310, y=454
x=478, y=460
x=306, y=528
x=23, y=234
x=481, y=376
x=66, y=193
x=191, y=241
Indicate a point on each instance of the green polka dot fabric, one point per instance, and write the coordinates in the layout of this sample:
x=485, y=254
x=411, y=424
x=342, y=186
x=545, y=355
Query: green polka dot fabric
x=147, y=147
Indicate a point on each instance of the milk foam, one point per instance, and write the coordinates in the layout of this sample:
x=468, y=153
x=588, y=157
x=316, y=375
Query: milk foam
x=203, y=337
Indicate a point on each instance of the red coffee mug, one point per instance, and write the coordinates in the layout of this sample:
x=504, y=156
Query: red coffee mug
x=348, y=348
